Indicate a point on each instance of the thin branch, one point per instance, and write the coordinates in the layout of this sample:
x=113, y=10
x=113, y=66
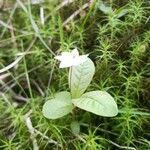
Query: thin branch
x=11, y=65
x=3, y=76
x=38, y=87
x=9, y=88
x=2, y=23
x=75, y=14
x=31, y=130
x=121, y=147
x=64, y=3
x=23, y=74
x=34, y=132
x=18, y=59
x=21, y=98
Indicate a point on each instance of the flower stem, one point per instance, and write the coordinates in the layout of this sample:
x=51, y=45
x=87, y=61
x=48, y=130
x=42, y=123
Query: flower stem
x=70, y=75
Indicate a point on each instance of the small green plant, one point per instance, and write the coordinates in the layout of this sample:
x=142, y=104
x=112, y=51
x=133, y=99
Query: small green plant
x=80, y=75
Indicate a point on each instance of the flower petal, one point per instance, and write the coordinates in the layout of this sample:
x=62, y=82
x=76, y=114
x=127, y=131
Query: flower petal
x=72, y=58
x=58, y=58
x=79, y=60
x=74, y=53
x=63, y=56
x=65, y=64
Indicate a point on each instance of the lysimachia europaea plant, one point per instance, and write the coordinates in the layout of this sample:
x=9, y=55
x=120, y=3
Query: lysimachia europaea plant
x=80, y=75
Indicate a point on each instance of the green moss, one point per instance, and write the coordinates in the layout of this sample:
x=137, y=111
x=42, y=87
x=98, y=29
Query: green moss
x=119, y=47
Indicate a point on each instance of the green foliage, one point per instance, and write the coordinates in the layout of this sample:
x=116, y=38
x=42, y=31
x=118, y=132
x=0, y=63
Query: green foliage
x=118, y=43
x=80, y=77
x=105, y=9
x=97, y=102
x=59, y=106
x=75, y=127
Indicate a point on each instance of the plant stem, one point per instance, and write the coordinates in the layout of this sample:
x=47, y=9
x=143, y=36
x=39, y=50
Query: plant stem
x=70, y=74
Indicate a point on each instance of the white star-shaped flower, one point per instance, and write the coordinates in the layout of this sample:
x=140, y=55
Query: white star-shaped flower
x=68, y=59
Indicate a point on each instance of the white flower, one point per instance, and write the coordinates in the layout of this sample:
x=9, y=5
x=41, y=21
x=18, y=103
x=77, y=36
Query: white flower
x=68, y=59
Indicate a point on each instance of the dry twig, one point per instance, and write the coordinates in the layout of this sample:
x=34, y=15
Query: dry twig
x=75, y=14
x=34, y=132
x=121, y=147
x=31, y=130
x=64, y=3
x=3, y=76
x=13, y=64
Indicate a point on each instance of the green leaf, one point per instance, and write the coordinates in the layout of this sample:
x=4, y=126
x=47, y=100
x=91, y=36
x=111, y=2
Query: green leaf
x=58, y=107
x=63, y=96
x=75, y=127
x=105, y=9
x=97, y=102
x=121, y=12
x=80, y=77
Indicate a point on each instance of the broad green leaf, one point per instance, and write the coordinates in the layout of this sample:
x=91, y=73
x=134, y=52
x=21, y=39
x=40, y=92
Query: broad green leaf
x=105, y=9
x=75, y=127
x=58, y=107
x=98, y=102
x=63, y=96
x=80, y=77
